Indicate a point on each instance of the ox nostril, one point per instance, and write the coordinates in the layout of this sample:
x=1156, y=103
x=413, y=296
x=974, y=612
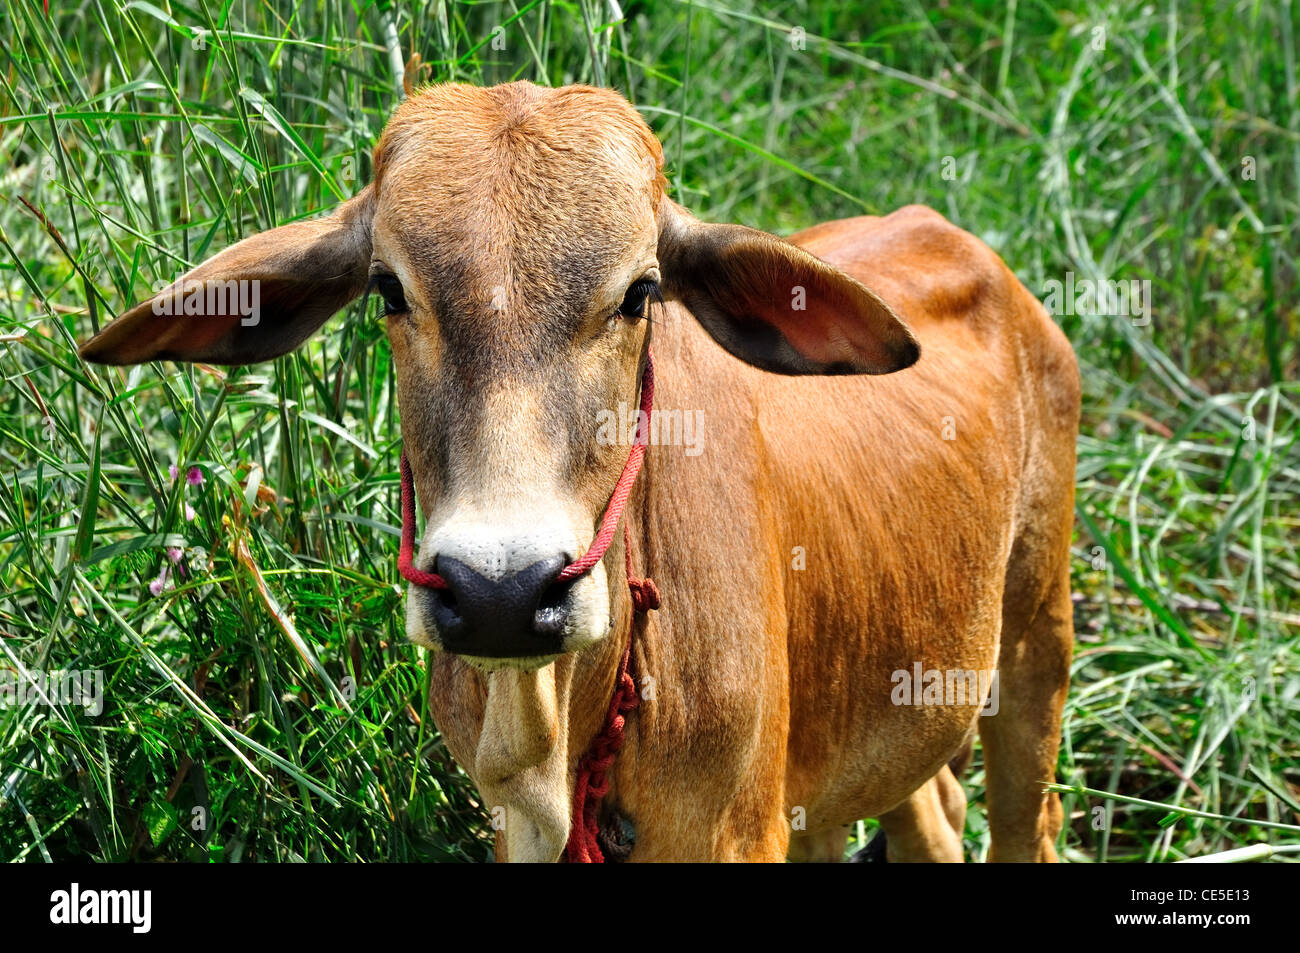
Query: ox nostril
x=553, y=609
x=444, y=606
x=447, y=600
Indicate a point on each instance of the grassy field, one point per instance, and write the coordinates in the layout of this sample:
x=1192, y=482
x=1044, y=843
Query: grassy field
x=260, y=702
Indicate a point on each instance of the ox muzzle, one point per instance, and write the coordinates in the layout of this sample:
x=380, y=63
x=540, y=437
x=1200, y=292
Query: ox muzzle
x=512, y=598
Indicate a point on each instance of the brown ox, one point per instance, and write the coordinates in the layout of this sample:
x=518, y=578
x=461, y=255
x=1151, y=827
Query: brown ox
x=836, y=535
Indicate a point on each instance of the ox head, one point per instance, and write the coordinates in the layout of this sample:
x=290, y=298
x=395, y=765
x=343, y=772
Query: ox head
x=517, y=236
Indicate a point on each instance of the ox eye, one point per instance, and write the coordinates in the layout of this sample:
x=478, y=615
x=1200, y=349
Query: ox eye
x=638, y=293
x=390, y=289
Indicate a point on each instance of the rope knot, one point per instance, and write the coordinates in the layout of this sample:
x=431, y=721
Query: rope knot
x=645, y=594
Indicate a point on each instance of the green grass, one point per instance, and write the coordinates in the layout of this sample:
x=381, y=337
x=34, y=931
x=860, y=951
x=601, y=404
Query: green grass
x=271, y=684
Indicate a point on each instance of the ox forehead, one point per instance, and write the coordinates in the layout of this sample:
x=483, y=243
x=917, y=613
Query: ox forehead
x=512, y=212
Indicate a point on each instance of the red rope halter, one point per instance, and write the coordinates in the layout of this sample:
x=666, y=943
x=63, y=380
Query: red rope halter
x=593, y=770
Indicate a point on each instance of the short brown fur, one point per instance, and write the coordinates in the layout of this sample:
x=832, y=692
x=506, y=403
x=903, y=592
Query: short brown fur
x=932, y=506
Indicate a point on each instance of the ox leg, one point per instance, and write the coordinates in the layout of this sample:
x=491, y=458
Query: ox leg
x=1022, y=739
x=823, y=847
x=928, y=826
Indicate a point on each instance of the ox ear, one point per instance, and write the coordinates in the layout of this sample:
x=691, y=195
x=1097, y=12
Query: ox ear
x=776, y=306
x=255, y=301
